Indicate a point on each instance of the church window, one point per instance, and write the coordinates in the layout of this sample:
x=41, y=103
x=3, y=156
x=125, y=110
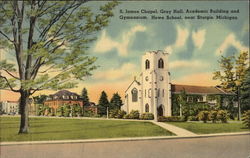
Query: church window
x=147, y=64
x=134, y=95
x=146, y=108
x=163, y=93
x=145, y=93
x=160, y=63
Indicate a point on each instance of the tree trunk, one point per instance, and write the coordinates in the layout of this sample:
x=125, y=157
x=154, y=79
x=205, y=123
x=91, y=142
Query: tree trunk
x=24, y=111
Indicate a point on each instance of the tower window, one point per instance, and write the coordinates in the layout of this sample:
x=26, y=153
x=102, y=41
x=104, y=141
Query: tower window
x=134, y=95
x=146, y=108
x=160, y=63
x=147, y=64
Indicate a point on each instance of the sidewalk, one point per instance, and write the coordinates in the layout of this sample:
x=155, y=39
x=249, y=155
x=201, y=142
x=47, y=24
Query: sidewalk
x=176, y=130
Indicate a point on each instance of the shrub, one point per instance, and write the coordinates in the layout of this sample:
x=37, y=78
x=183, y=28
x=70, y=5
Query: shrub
x=246, y=118
x=203, y=115
x=193, y=118
x=171, y=119
x=223, y=116
x=113, y=113
x=126, y=116
x=161, y=119
x=213, y=116
x=116, y=113
x=121, y=113
x=134, y=114
x=147, y=116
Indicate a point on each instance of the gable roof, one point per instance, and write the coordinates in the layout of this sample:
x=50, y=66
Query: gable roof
x=189, y=89
x=134, y=81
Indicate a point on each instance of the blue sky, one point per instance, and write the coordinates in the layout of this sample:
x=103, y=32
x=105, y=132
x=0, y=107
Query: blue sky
x=194, y=45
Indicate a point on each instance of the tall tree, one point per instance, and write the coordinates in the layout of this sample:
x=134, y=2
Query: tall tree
x=49, y=41
x=232, y=74
x=103, y=103
x=245, y=91
x=116, y=102
x=85, y=97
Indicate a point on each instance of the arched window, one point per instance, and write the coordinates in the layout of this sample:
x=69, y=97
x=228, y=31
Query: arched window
x=146, y=108
x=160, y=63
x=134, y=95
x=147, y=64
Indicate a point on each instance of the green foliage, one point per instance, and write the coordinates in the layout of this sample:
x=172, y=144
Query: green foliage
x=245, y=92
x=103, y=104
x=171, y=119
x=88, y=113
x=232, y=73
x=193, y=118
x=41, y=109
x=204, y=116
x=50, y=40
x=115, y=102
x=85, y=97
x=147, y=116
x=40, y=99
x=213, y=116
x=116, y=113
x=126, y=116
x=223, y=116
x=246, y=119
x=134, y=114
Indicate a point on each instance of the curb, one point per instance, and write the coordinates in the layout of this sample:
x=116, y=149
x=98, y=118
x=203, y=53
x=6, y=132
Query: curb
x=120, y=139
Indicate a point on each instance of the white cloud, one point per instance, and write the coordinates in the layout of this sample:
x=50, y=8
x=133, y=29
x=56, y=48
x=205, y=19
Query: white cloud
x=181, y=39
x=199, y=38
x=105, y=43
x=116, y=73
x=187, y=64
x=230, y=40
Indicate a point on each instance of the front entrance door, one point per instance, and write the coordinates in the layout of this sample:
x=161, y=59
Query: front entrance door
x=160, y=111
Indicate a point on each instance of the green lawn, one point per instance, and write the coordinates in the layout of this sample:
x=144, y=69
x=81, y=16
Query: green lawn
x=207, y=128
x=62, y=129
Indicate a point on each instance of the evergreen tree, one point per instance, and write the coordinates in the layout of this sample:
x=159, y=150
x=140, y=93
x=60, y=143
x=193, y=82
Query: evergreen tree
x=115, y=102
x=85, y=97
x=103, y=104
x=232, y=74
x=49, y=40
x=245, y=92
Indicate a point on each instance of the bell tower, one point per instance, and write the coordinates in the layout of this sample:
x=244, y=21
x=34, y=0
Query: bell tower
x=155, y=79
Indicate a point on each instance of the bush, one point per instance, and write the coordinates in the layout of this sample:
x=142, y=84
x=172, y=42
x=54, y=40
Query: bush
x=147, y=116
x=204, y=116
x=134, y=114
x=126, y=116
x=223, y=116
x=193, y=118
x=121, y=114
x=116, y=113
x=246, y=118
x=171, y=119
x=213, y=116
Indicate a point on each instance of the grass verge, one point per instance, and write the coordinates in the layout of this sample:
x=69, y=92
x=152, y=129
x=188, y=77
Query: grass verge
x=70, y=129
x=208, y=128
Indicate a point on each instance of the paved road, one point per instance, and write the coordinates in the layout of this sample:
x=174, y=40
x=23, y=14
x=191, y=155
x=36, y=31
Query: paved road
x=213, y=147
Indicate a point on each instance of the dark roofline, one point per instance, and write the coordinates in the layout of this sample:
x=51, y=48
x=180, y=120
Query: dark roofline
x=131, y=84
x=216, y=87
